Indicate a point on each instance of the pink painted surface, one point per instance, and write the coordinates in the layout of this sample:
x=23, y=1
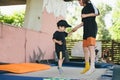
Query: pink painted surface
x=49, y=22
x=17, y=44
x=36, y=40
x=12, y=45
x=42, y=39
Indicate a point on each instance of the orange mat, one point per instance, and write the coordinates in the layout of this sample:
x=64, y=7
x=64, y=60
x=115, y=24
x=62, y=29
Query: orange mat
x=24, y=67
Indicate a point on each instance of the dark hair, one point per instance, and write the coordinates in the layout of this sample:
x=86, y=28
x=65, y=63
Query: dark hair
x=85, y=1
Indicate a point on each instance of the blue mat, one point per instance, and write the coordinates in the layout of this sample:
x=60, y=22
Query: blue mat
x=116, y=72
x=13, y=77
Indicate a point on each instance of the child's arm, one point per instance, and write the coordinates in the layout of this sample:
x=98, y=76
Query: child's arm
x=70, y=33
x=89, y=15
x=58, y=42
x=75, y=29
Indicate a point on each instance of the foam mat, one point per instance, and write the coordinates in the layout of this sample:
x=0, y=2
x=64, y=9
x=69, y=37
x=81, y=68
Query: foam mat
x=24, y=67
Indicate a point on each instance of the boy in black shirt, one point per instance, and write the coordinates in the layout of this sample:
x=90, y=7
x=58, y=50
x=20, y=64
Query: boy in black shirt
x=60, y=42
x=88, y=15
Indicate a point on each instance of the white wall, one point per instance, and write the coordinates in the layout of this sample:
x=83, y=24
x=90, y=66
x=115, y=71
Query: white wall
x=77, y=50
x=33, y=14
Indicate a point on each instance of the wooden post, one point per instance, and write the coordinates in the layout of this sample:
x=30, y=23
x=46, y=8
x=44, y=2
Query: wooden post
x=112, y=50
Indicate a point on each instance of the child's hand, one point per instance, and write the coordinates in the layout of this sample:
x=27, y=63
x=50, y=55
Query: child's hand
x=74, y=29
x=77, y=27
x=60, y=42
x=83, y=16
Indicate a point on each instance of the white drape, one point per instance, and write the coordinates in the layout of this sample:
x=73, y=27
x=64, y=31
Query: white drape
x=58, y=7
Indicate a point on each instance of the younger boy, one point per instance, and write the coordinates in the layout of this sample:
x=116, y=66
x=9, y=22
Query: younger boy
x=60, y=42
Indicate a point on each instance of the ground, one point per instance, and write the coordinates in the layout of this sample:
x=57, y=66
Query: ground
x=70, y=73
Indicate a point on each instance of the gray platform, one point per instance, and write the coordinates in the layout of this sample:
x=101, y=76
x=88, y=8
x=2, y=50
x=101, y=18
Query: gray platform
x=69, y=73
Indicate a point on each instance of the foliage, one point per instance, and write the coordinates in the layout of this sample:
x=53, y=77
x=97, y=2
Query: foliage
x=115, y=29
x=16, y=19
x=103, y=33
x=73, y=16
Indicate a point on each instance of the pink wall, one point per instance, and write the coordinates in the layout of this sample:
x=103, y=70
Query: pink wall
x=12, y=44
x=17, y=44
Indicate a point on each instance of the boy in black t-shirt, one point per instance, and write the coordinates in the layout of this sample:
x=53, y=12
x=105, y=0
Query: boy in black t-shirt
x=88, y=15
x=60, y=42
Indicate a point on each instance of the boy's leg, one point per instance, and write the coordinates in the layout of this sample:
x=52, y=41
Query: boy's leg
x=92, y=55
x=60, y=62
x=60, y=59
x=87, y=65
x=91, y=47
x=86, y=54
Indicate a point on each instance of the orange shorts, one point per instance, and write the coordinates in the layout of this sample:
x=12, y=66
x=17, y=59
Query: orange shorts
x=90, y=41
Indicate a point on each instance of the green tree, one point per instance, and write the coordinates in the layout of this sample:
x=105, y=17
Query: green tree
x=115, y=29
x=16, y=19
x=103, y=32
x=73, y=16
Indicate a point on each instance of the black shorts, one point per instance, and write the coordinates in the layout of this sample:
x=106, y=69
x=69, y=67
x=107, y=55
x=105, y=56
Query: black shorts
x=62, y=55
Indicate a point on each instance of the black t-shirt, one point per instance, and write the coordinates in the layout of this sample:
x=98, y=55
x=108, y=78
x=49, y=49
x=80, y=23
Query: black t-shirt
x=60, y=36
x=90, y=26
